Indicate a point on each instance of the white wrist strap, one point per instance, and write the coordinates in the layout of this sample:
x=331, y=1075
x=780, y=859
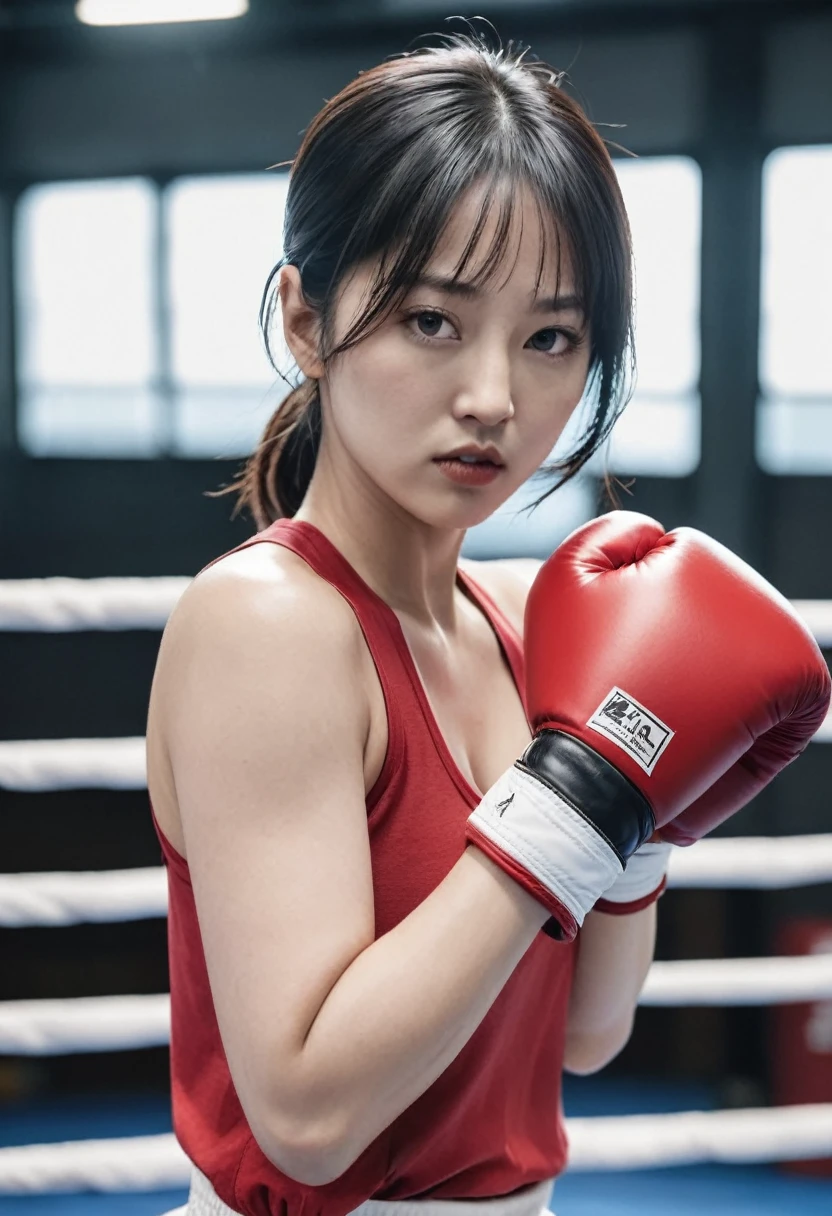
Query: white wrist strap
x=531, y=824
x=645, y=873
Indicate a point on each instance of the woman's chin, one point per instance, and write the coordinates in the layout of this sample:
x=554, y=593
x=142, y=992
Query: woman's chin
x=455, y=517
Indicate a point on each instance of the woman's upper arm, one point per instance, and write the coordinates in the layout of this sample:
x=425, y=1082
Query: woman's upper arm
x=265, y=719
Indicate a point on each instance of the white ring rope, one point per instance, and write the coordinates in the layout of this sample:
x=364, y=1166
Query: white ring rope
x=62, y=764
x=739, y=981
x=73, y=764
x=753, y=862
x=82, y=1024
x=154, y=1163
x=82, y=897
x=119, y=1023
x=79, y=897
x=60, y=605
x=129, y=1163
x=66, y=604
x=637, y=1142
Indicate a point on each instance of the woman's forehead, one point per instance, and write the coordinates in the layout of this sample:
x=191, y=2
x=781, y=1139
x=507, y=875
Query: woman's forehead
x=516, y=240
x=518, y=246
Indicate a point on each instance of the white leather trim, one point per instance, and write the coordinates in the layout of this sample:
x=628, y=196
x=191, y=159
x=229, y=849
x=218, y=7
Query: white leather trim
x=548, y=838
x=643, y=875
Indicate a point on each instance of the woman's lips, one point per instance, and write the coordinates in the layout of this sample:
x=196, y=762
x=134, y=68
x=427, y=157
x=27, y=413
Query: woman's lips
x=469, y=473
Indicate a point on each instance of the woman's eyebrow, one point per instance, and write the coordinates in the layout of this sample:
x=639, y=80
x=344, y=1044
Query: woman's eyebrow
x=560, y=303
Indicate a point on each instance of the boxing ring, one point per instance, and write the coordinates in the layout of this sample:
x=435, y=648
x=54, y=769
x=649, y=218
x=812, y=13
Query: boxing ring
x=117, y=1023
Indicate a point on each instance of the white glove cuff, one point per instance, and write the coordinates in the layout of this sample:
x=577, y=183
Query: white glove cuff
x=644, y=877
x=544, y=843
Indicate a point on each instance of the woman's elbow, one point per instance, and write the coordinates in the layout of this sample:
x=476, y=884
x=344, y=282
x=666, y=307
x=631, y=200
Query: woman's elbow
x=588, y=1053
x=306, y=1152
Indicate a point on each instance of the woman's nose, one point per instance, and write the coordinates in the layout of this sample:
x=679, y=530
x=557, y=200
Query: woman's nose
x=486, y=393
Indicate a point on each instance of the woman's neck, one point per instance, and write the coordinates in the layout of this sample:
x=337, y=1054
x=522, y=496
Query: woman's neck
x=409, y=564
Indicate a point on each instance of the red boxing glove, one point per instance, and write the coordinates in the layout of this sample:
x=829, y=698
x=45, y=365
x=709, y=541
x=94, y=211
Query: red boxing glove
x=667, y=684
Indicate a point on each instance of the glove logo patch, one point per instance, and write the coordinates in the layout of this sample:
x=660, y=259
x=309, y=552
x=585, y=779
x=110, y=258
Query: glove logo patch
x=632, y=727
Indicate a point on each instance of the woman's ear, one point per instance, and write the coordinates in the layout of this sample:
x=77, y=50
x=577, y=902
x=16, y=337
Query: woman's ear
x=300, y=323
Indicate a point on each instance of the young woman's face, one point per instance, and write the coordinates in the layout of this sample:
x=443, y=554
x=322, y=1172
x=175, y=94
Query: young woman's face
x=492, y=375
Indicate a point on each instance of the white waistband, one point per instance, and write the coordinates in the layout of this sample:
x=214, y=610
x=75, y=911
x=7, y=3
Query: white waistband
x=203, y=1200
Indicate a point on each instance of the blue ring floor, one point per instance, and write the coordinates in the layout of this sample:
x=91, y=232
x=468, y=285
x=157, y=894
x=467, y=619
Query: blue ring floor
x=718, y=1190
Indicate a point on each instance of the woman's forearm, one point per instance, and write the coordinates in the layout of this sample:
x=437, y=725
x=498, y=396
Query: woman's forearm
x=408, y=1004
x=615, y=953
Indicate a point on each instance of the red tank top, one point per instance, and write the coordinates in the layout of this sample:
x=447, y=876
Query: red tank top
x=492, y=1122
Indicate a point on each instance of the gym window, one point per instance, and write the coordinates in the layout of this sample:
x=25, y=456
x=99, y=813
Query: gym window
x=658, y=434
x=794, y=410
x=87, y=345
x=137, y=315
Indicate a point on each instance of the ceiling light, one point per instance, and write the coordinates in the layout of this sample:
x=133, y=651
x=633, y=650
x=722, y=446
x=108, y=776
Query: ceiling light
x=156, y=12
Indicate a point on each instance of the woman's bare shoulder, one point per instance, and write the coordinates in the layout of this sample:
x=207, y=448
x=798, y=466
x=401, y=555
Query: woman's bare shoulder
x=263, y=587
x=263, y=611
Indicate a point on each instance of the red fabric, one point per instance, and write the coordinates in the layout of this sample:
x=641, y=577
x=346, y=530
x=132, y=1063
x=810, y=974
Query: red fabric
x=492, y=1122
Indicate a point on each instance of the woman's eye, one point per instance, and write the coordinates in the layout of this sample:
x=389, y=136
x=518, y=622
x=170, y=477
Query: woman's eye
x=555, y=341
x=429, y=323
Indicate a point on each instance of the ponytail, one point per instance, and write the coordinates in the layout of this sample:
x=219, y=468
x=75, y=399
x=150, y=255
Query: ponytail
x=277, y=474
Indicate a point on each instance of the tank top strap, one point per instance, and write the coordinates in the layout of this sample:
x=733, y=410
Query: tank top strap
x=507, y=635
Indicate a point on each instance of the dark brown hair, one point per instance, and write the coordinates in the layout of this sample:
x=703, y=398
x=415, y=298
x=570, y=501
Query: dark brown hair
x=377, y=175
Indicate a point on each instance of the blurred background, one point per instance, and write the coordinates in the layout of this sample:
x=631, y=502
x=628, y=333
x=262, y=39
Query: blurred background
x=138, y=222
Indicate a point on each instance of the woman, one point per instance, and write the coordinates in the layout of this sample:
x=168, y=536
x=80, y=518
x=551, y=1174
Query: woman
x=363, y=1003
